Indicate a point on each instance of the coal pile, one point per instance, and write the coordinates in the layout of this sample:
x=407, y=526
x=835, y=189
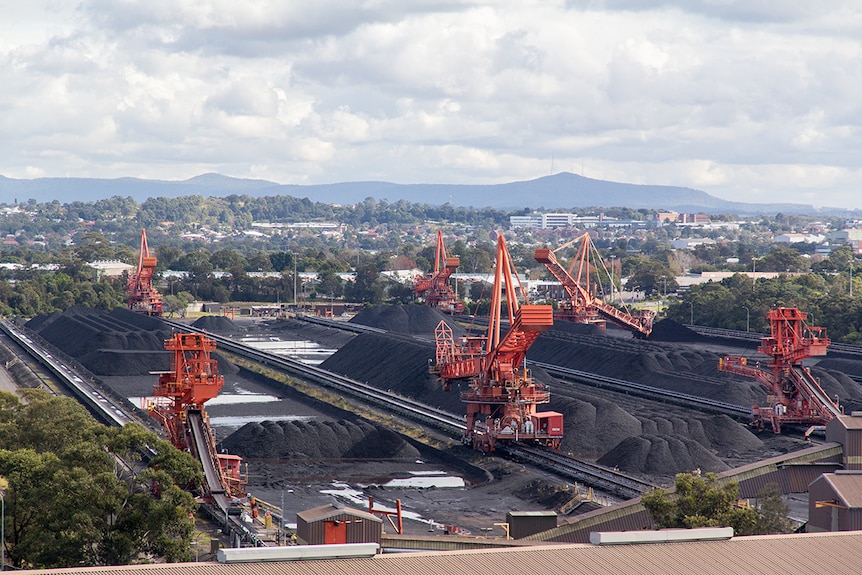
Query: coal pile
x=215, y=323
x=630, y=433
x=413, y=319
x=394, y=364
x=670, y=330
x=318, y=440
x=661, y=455
x=678, y=368
x=117, y=343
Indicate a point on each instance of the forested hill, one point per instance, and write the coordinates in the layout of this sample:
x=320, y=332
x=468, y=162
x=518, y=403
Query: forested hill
x=563, y=191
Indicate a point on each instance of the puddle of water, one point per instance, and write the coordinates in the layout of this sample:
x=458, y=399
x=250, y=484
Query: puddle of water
x=427, y=482
x=221, y=399
x=307, y=352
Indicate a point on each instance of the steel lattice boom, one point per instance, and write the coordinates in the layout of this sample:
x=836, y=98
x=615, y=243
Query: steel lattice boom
x=143, y=296
x=178, y=403
x=583, y=304
x=434, y=287
x=502, y=396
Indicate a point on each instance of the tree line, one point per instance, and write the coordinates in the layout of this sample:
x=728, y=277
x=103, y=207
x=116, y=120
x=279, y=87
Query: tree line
x=77, y=492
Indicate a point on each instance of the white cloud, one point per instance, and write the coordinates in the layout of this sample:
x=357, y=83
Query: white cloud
x=748, y=100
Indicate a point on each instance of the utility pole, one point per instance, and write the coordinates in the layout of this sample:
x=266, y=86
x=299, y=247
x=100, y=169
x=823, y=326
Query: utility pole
x=295, y=308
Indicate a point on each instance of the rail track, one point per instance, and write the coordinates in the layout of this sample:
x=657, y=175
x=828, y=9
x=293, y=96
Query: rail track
x=114, y=413
x=567, y=467
x=848, y=348
x=646, y=391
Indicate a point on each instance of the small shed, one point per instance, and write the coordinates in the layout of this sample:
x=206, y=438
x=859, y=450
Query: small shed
x=525, y=523
x=835, y=502
x=332, y=523
x=847, y=430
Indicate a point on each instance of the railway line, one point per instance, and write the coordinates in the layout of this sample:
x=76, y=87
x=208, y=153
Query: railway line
x=847, y=348
x=114, y=413
x=103, y=408
x=646, y=391
x=619, y=385
x=574, y=469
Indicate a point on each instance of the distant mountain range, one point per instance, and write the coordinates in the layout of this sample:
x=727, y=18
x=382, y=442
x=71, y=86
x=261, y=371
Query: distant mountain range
x=563, y=191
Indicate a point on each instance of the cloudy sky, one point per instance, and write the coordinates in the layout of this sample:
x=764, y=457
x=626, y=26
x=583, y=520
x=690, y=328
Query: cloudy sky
x=748, y=100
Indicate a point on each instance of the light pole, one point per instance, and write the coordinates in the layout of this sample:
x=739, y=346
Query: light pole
x=746, y=318
x=691, y=316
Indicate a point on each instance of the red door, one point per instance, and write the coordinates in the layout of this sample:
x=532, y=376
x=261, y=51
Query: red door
x=334, y=532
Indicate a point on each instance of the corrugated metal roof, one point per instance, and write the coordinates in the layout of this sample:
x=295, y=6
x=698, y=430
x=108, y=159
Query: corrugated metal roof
x=833, y=553
x=848, y=488
x=329, y=510
x=631, y=514
x=850, y=421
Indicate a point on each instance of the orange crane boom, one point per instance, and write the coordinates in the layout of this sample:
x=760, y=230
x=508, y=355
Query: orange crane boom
x=143, y=297
x=502, y=396
x=794, y=395
x=434, y=287
x=583, y=306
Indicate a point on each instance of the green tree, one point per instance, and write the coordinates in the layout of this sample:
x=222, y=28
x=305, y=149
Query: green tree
x=367, y=287
x=64, y=480
x=652, y=277
x=330, y=284
x=700, y=501
x=772, y=511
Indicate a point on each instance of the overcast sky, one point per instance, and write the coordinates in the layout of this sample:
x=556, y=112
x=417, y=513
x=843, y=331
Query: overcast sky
x=749, y=100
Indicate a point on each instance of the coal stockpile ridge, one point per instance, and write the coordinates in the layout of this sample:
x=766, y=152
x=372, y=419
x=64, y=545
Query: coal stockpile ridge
x=393, y=364
x=113, y=362
x=215, y=323
x=318, y=440
x=412, y=319
x=88, y=334
x=593, y=427
x=661, y=455
x=663, y=365
x=670, y=330
x=134, y=320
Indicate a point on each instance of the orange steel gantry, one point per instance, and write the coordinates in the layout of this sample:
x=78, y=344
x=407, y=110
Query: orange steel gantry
x=434, y=287
x=143, y=297
x=502, y=396
x=794, y=395
x=583, y=304
x=178, y=403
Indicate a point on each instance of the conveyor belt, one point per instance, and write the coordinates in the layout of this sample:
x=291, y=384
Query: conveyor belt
x=212, y=477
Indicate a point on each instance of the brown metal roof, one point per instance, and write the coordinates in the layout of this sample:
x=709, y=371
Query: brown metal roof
x=631, y=515
x=850, y=421
x=329, y=510
x=833, y=553
x=848, y=488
